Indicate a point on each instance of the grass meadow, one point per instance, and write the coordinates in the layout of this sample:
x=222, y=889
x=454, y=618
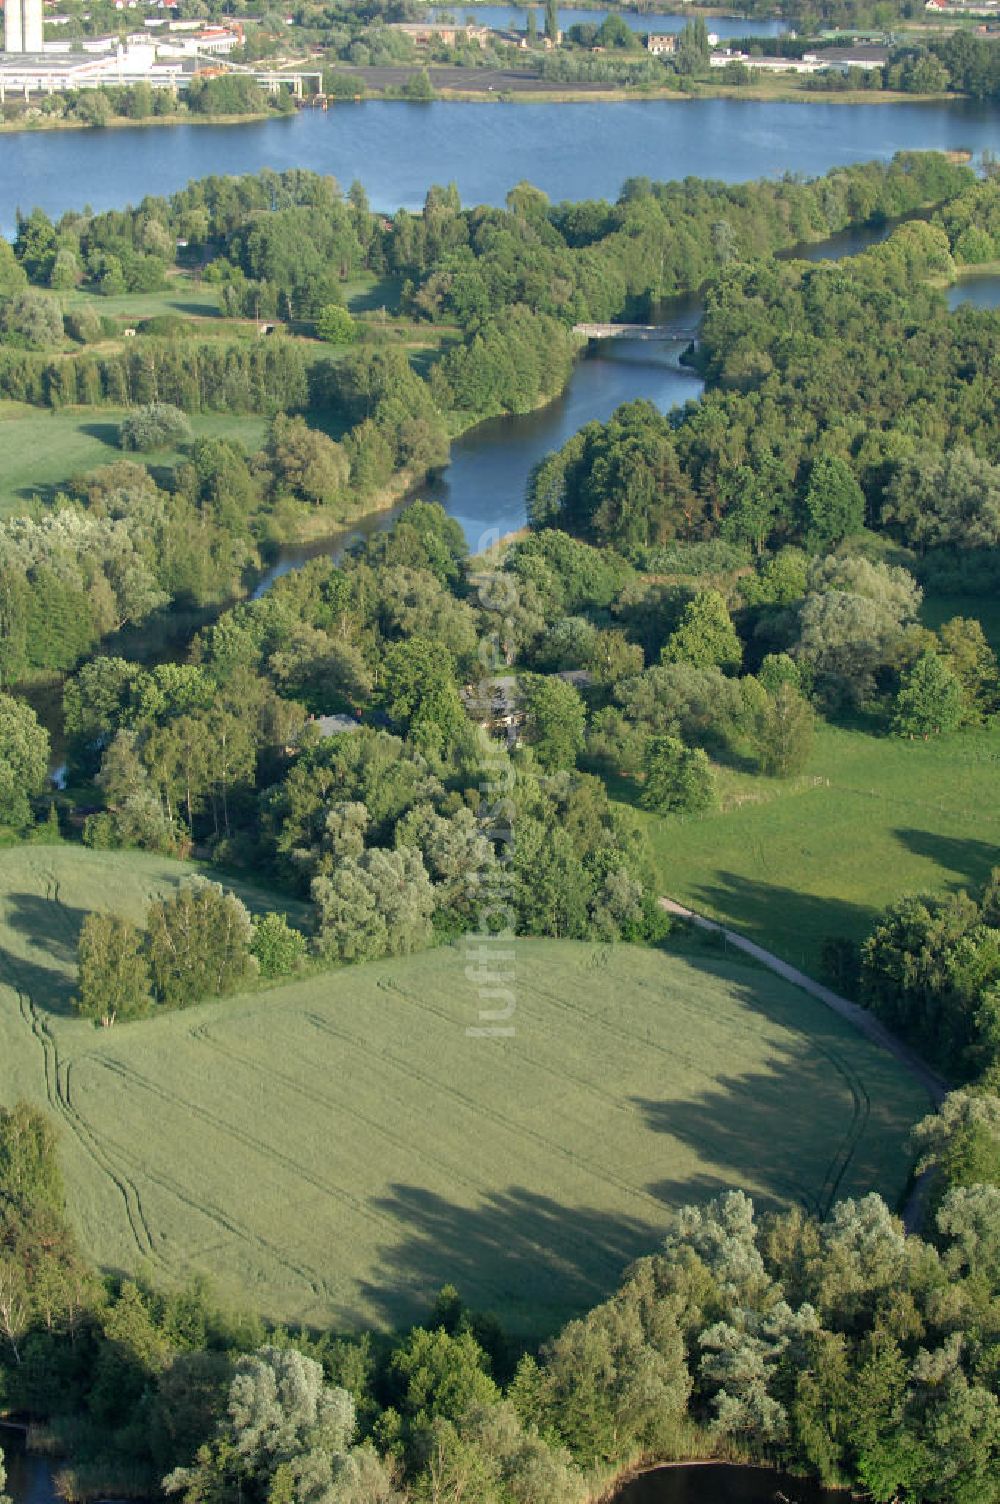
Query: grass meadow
x=872, y=818
x=338, y=1148
x=41, y=448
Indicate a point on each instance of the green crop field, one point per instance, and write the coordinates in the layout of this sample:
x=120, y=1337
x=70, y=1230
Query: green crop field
x=341, y=1147
x=42, y=448
x=871, y=819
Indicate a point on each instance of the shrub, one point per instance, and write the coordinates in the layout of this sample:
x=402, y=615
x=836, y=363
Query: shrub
x=32, y=320
x=678, y=778
x=166, y=326
x=336, y=325
x=279, y=949
x=157, y=425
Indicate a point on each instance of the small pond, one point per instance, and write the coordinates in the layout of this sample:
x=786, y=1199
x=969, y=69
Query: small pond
x=720, y=1483
x=29, y=1478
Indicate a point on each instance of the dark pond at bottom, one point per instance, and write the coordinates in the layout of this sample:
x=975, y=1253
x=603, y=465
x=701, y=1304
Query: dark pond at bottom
x=29, y=1478
x=719, y=1483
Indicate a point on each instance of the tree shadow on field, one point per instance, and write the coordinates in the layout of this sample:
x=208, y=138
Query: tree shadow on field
x=107, y=433
x=795, y=1129
x=774, y=1133
x=970, y=862
x=520, y=1254
x=49, y=989
x=790, y=922
x=819, y=1115
x=51, y=927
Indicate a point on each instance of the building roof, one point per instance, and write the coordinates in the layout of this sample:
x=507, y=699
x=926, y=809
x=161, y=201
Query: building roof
x=334, y=725
x=861, y=54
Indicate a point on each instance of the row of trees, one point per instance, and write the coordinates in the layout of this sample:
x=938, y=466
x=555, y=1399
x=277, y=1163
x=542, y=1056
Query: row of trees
x=197, y=376
x=200, y=942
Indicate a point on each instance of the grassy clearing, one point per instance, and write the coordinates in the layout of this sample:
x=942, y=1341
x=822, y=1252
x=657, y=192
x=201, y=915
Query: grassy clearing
x=339, y=1148
x=183, y=294
x=872, y=818
x=42, y=448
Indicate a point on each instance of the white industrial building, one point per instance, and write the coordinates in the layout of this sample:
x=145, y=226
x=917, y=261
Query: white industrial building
x=58, y=71
x=30, y=65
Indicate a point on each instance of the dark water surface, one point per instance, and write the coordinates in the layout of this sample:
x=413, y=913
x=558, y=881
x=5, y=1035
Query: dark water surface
x=484, y=485
x=572, y=151
x=717, y=1483
x=29, y=1478
x=981, y=290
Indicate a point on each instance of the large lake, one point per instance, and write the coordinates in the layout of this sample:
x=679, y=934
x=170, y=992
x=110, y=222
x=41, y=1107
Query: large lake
x=572, y=151
x=515, y=18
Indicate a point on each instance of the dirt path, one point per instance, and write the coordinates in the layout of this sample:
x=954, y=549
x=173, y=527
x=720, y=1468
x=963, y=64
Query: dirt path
x=858, y=1017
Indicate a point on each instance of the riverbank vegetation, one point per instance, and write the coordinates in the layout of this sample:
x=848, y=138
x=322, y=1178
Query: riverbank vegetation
x=488, y=299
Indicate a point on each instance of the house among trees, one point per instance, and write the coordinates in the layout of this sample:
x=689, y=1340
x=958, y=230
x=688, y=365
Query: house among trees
x=423, y=33
x=334, y=725
x=498, y=704
x=661, y=43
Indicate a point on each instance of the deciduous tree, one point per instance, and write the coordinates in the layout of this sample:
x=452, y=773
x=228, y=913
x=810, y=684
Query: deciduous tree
x=114, y=978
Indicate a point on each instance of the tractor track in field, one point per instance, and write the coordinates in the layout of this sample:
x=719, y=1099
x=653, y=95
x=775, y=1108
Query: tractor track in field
x=609, y=1099
x=795, y=1190
x=852, y=1013
x=480, y=1110
x=817, y=1202
x=200, y=1033
x=267, y=1152
x=211, y=1213
x=57, y=1077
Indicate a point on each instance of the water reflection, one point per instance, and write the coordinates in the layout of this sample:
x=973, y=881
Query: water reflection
x=29, y=1478
x=484, y=485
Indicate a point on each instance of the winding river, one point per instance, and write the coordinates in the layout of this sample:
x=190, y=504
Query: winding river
x=483, y=486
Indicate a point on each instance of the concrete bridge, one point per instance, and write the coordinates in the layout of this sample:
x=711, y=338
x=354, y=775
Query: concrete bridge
x=633, y=331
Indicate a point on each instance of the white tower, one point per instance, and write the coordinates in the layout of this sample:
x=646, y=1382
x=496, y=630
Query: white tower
x=34, y=26
x=13, y=32
x=24, y=29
